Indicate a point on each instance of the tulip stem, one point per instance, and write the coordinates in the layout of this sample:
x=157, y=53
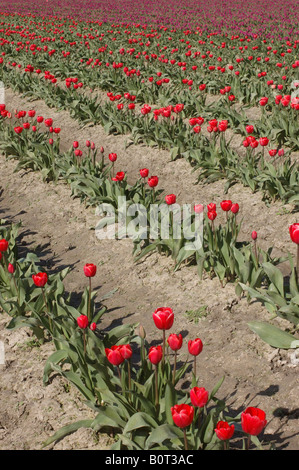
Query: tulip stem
x=46, y=305
x=156, y=386
x=120, y=378
x=84, y=343
x=89, y=300
x=163, y=346
x=15, y=283
x=129, y=376
x=297, y=265
x=255, y=251
x=194, y=370
x=185, y=439
x=174, y=367
x=248, y=441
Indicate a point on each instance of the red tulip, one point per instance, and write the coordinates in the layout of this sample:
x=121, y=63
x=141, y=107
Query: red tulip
x=211, y=207
x=39, y=119
x=93, y=326
x=254, y=235
x=198, y=208
x=163, y=318
x=195, y=346
x=226, y=205
x=264, y=141
x=155, y=354
x=126, y=351
x=235, y=208
x=175, y=341
x=153, y=181
x=48, y=122
x=199, y=396
x=82, y=321
x=294, y=233
x=249, y=129
x=11, y=268
x=40, y=279
x=170, y=199
x=112, y=157
x=18, y=129
x=263, y=101
x=90, y=270
x=224, y=431
x=3, y=244
x=212, y=215
x=253, y=420
x=114, y=356
x=119, y=176
x=143, y=172
x=182, y=415
x=75, y=144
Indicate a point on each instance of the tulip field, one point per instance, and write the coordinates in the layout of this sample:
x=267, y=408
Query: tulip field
x=120, y=332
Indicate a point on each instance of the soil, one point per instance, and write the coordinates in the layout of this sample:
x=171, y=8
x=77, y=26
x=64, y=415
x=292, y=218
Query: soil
x=61, y=231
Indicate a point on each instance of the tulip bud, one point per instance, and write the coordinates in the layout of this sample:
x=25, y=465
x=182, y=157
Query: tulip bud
x=82, y=321
x=11, y=268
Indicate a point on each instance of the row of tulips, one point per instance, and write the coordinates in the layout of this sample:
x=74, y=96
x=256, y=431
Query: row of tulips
x=276, y=177
x=221, y=254
x=143, y=403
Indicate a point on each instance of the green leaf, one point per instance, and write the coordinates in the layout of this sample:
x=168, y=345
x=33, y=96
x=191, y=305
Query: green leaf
x=139, y=420
x=274, y=335
x=162, y=433
x=67, y=430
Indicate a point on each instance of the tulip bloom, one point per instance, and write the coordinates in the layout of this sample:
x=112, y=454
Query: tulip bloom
x=224, y=431
x=175, y=341
x=11, y=268
x=90, y=270
x=211, y=207
x=294, y=234
x=82, y=321
x=226, y=205
x=253, y=421
x=198, y=208
x=264, y=141
x=153, y=181
x=170, y=199
x=263, y=101
x=199, y=396
x=112, y=157
x=195, y=347
x=235, y=208
x=163, y=318
x=40, y=279
x=182, y=416
x=114, y=355
x=155, y=354
x=143, y=172
x=126, y=351
x=212, y=215
x=3, y=245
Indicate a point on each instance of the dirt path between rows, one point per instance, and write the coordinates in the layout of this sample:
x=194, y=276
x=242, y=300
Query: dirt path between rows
x=60, y=230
